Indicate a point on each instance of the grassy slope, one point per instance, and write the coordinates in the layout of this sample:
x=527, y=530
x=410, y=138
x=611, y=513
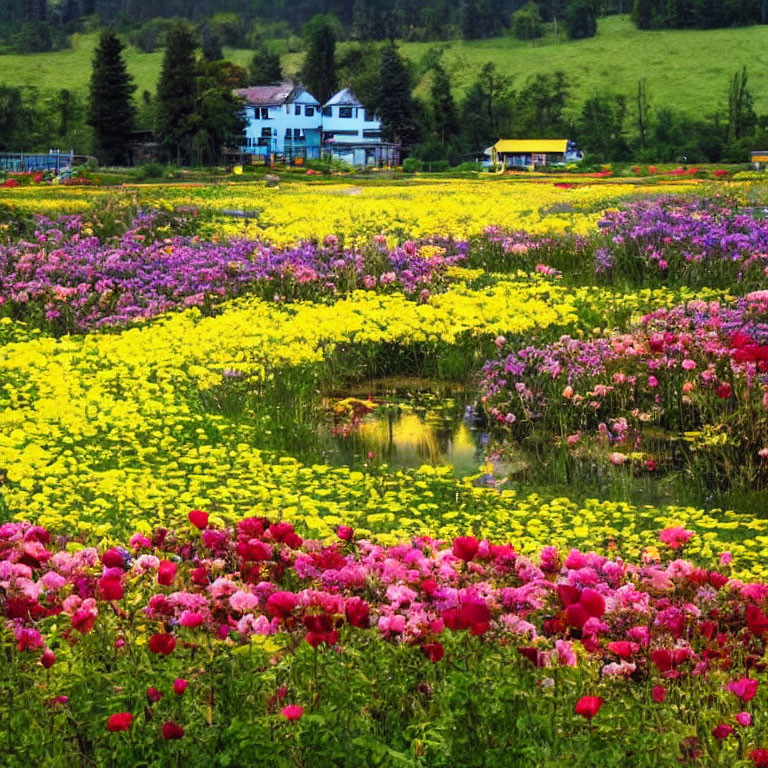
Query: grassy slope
x=688, y=69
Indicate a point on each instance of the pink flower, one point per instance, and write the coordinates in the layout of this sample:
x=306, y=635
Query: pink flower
x=565, y=653
x=744, y=718
x=676, y=536
x=745, y=688
x=659, y=693
x=726, y=558
x=180, y=686
x=292, y=712
x=653, y=381
x=617, y=459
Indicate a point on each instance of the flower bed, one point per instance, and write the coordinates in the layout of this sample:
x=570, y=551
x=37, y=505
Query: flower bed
x=172, y=620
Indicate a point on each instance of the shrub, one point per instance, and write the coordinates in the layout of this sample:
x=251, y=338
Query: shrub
x=412, y=165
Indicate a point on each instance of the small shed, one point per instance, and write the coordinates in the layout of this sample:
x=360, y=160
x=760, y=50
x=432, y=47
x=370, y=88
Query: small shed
x=760, y=159
x=529, y=152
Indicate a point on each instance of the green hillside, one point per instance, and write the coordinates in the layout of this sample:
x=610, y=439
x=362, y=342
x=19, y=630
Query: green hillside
x=688, y=70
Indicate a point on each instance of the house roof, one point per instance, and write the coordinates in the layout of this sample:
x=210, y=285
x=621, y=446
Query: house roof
x=275, y=94
x=532, y=146
x=344, y=98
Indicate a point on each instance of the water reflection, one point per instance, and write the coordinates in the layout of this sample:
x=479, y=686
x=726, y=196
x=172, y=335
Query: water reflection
x=415, y=428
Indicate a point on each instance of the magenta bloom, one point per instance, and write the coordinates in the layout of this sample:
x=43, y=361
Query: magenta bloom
x=180, y=686
x=465, y=547
x=676, y=536
x=744, y=718
x=292, y=712
x=659, y=693
x=745, y=688
x=172, y=731
x=722, y=731
x=588, y=706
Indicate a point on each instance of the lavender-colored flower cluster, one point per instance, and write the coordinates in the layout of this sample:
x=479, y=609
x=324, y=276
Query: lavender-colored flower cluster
x=68, y=279
x=702, y=241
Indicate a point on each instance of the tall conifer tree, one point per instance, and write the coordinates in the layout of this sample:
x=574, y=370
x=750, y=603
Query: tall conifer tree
x=110, y=110
x=176, y=92
x=319, y=70
x=394, y=102
x=443, y=106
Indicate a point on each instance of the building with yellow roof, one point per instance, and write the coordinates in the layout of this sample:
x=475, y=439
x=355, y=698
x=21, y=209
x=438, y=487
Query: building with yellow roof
x=533, y=152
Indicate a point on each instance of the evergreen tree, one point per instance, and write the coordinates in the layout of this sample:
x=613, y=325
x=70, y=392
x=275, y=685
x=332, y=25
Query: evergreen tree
x=176, y=92
x=539, y=107
x=741, y=112
x=471, y=24
x=394, y=103
x=318, y=73
x=601, y=127
x=265, y=66
x=212, y=50
x=581, y=19
x=642, y=13
x=110, y=108
x=643, y=109
x=444, y=117
x=486, y=109
x=218, y=114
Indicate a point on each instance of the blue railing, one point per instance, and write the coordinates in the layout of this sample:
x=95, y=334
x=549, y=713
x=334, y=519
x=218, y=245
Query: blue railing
x=52, y=161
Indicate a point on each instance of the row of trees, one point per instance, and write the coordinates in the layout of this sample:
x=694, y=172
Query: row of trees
x=35, y=25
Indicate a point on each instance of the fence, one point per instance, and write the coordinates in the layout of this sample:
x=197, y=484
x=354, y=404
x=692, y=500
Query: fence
x=55, y=161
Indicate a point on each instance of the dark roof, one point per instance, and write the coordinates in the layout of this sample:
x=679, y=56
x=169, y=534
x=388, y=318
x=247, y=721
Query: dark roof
x=344, y=98
x=273, y=95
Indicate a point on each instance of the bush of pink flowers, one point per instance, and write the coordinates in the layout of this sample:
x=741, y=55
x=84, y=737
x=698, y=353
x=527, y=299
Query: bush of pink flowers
x=247, y=645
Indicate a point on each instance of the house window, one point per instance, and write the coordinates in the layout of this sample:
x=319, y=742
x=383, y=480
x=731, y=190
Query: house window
x=369, y=117
x=371, y=134
x=345, y=112
x=264, y=112
x=266, y=133
x=288, y=133
x=309, y=111
x=328, y=111
x=297, y=109
x=341, y=133
x=297, y=133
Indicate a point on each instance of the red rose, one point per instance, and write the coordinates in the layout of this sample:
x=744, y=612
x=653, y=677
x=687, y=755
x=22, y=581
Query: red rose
x=113, y=558
x=722, y=731
x=166, y=573
x=119, y=722
x=465, y=547
x=198, y=519
x=162, y=643
x=358, y=613
x=180, y=686
x=433, y=651
x=111, y=589
x=592, y=602
x=759, y=757
x=172, y=731
x=588, y=706
x=280, y=605
x=724, y=391
x=345, y=533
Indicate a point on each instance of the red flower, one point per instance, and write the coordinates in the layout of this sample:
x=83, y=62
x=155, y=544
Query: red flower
x=623, y=649
x=111, y=589
x=465, y=547
x=292, y=712
x=166, y=573
x=722, y=731
x=588, y=706
x=745, y=688
x=119, y=722
x=592, y=602
x=345, y=533
x=162, y=643
x=433, y=651
x=568, y=595
x=724, y=391
x=83, y=621
x=659, y=693
x=179, y=686
x=757, y=621
x=172, y=731
x=280, y=605
x=576, y=615
x=48, y=658
x=473, y=616
x=153, y=695
x=357, y=612
x=113, y=558
x=759, y=757
x=198, y=519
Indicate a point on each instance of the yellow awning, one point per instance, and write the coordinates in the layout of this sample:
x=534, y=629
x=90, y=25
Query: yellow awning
x=532, y=146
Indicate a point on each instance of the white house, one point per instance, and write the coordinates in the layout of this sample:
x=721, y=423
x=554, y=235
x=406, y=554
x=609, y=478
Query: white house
x=353, y=134
x=282, y=119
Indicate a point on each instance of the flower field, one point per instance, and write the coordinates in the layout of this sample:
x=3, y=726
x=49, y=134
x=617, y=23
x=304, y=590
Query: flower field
x=203, y=562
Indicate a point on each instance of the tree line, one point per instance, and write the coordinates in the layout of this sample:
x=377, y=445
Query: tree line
x=194, y=111
x=40, y=25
